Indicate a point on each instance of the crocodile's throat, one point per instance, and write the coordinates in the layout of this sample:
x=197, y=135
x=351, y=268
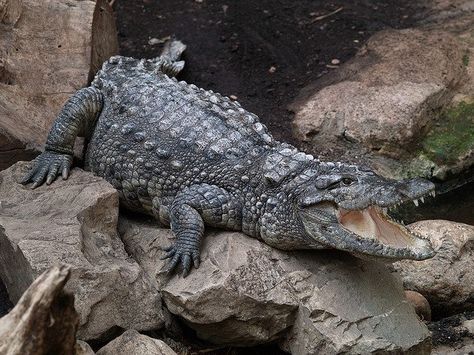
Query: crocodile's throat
x=374, y=223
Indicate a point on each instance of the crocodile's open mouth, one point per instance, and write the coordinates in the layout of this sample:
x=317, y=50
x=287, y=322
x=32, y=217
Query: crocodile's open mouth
x=369, y=231
x=374, y=223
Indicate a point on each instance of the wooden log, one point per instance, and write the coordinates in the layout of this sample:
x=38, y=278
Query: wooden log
x=48, y=50
x=44, y=320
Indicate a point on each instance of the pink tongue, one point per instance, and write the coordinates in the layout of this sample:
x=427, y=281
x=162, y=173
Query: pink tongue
x=368, y=223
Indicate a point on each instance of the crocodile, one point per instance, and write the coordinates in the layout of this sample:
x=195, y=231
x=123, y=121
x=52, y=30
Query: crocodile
x=191, y=157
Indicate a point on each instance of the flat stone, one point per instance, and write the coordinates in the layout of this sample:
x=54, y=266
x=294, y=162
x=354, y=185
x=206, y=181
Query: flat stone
x=74, y=222
x=246, y=293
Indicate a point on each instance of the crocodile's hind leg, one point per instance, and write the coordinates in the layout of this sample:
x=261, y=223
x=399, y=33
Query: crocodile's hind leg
x=77, y=117
x=169, y=58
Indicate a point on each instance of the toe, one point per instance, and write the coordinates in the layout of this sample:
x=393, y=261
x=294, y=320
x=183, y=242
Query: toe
x=196, y=260
x=53, y=172
x=39, y=177
x=27, y=178
x=186, y=263
x=65, y=172
x=172, y=264
x=168, y=254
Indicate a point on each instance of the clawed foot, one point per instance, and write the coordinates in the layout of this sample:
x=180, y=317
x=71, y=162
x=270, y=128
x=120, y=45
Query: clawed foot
x=186, y=255
x=48, y=166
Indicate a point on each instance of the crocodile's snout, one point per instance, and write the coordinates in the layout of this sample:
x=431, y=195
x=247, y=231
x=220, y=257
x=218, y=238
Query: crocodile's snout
x=354, y=217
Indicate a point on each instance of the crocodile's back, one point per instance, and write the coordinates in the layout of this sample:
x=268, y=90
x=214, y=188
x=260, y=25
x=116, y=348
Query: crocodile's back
x=156, y=135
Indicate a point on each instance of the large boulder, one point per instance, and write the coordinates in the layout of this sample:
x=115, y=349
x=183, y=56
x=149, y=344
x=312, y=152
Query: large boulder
x=133, y=343
x=389, y=103
x=74, y=222
x=246, y=293
x=38, y=73
x=446, y=280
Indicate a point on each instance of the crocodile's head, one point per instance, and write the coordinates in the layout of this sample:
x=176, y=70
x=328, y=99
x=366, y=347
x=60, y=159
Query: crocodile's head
x=345, y=207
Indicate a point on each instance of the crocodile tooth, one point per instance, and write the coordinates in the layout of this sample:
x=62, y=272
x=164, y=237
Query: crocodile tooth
x=415, y=202
x=433, y=193
x=422, y=199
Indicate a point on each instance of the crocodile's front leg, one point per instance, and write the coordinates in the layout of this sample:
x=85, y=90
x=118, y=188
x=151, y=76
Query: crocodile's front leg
x=191, y=209
x=77, y=117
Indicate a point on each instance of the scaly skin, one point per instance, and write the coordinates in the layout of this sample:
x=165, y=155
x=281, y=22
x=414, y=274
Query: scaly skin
x=192, y=158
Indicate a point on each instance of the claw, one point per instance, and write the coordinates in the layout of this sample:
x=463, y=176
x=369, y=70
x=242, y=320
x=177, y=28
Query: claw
x=196, y=261
x=186, y=263
x=172, y=264
x=65, y=172
x=168, y=254
x=53, y=172
x=26, y=179
x=171, y=247
x=39, y=177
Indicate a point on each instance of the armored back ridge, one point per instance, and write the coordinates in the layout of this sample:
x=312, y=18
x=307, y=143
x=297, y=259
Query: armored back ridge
x=192, y=158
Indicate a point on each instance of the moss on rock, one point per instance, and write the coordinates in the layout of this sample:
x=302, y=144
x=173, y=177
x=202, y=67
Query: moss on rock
x=465, y=59
x=453, y=137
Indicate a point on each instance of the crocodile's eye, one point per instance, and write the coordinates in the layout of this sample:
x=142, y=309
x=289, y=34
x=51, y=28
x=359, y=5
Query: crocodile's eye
x=347, y=181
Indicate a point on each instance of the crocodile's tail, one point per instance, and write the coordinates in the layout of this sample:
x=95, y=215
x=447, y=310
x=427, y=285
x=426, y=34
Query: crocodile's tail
x=170, y=57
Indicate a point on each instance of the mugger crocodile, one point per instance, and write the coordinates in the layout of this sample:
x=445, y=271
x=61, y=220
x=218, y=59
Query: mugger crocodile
x=192, y=157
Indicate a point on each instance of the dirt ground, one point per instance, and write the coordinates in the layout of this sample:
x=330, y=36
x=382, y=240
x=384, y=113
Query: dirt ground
x=263, y=51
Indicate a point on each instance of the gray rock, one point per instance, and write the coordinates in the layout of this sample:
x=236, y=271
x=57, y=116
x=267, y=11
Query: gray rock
x=133, y=343
x=82, y=348
x=246, y=293
x=385, y=101
x=447, y=280
x=74, y=222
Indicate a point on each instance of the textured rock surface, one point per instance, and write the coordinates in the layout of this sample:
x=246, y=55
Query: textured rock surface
x=44, y=320
x=245, y=293
x=133, y=343
x=74, y=222
x=32, y=91
x=453, y=335
x=385, y=99
x=82, y=348
x=446, y=280
x=465, y=348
